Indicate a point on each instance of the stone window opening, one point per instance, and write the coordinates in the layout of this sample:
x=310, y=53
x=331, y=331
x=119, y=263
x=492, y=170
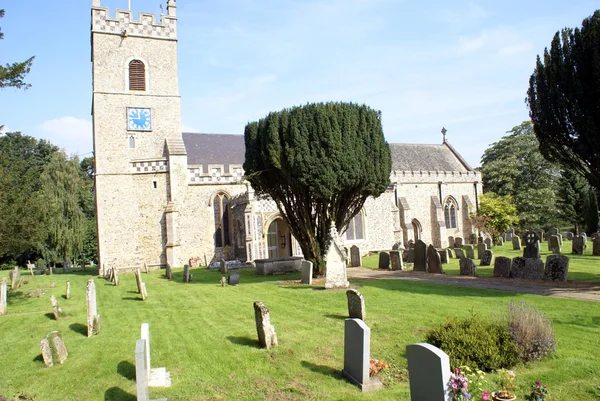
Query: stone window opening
x=450, y=208
x=131, y=142
x=137, y=75
x=355, y=228
x=154, y=184
x=222, y=214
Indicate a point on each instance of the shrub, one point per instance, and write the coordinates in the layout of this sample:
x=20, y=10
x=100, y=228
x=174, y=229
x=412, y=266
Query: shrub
x=531, y=331
x=475, y=342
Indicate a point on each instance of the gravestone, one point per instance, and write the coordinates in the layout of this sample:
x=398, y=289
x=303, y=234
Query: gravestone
x=582, y=233
x=517, y=267
x=450, y=252
x=93, y=318
x=115, y=278
x=532, y=245
x=428, y=371
x=396, y=259
x=473, y=238
x=516, y=242
x=420, y=263
x=459, y=253
x=434, y=262
x=68, y=290
x=508, y=236
x=141, y=373
x=409, y=255
x=357, y=355
x=534, y=269
x=500, y=241
x=223, y=281
x=168, y=273
x=467, y=267
x=233, y=279
x=187, y=276
x=140, y=284
x=540, y=234
x=356, y=305
x=144, y=293
x=3, y=305
x=596, y=247
x=481, y=247
x=30, y=267
x=502, y=267
x=355, y=259
x=578, y=245
x=570, y=235
x=443, y=255
x=479, y=240
x=157, y=377
x=451, y=241
x=469, y=251
x=487, y=258
x=14, y=275
x=222, y=266
x=56, y=310
x=458, y=242
x=307, y=272
x=267, y=337
x=53, y=349
x=557, y=268
x=554, y=244
x=336, y=262
x=384, y=260
x=488, y=243
x=552, y=231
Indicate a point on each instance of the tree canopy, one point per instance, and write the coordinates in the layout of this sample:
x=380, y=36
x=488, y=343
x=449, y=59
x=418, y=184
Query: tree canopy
x=564, y=99
x=319, y=163
x=496, y=214
x=13, y=74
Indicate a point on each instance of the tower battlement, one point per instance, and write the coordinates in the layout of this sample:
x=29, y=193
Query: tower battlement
x=125, y=25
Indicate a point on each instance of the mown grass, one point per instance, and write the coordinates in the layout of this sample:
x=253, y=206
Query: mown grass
x=205, y=336
x=581, y=267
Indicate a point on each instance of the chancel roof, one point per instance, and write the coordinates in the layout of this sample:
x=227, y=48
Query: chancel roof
x=230, y=149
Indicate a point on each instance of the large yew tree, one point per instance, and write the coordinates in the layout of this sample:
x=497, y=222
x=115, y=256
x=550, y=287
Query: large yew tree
x=564, y=99
x=319, y=163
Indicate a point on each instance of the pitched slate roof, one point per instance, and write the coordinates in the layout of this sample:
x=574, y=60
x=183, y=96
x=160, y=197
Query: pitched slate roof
x=229, y=149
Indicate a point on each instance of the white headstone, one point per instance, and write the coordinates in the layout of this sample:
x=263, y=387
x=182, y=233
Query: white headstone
x=335, y=261
x=157, y=377
x=92, y=312
x=3, y=307
x=429, y=372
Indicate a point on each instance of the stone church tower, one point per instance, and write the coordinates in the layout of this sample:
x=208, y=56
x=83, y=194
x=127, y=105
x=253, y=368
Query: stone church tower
x=136, y=117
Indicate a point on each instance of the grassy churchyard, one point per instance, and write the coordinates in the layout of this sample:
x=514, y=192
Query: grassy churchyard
x=205, y=335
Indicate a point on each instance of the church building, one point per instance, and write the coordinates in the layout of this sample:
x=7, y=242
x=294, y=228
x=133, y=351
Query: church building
x=166, y=196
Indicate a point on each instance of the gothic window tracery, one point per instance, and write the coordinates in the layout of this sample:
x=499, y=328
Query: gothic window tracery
x=222, y=213
x=450, y=208
x=355, y=228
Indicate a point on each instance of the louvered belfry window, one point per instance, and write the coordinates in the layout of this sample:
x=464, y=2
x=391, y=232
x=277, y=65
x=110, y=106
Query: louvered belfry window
x=137, y=76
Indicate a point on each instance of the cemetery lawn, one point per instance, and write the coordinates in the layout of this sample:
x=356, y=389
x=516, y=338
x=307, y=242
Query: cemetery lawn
x=205, y=336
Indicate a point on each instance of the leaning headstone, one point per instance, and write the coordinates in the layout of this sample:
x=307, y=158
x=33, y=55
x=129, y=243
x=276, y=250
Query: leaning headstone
x=553, y=244
x=557, y=268
x=187, y=276
x=458, y=242
x=53, y=349
x=140, y=284
x=467, y=267
x=434, y=262
x=596, y=247
x=30, y=267
x=144, y=293
x=307, y=272
x=487, y=258
x=335, y=262
x=357, y=355
x=429, y=372
x=355, y=259
x=68, y=290
x=384, y=260
x=157, y=377
x=93, y=319
x=578, y=245
x=14, y=275
x=502, y=266
x=233, y=279
x=267, y=337
x=46, y=352
x=420, y=264
x=56, y=310
x=488, y=243
x=481, y=247
x=443, y=255
x=3, y=307
x=356, y=305
x=531, y=240
x=396, y=259
x=469, y=251
x=222, y=266
x=516, y=242
x=459, y=253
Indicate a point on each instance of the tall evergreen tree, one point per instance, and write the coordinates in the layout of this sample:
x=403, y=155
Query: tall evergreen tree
x=13, y=74
x=591, y=214
x=573, y=198
x=319, y=163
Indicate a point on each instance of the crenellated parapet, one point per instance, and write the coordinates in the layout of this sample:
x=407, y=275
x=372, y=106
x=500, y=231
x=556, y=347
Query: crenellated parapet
x=215, y=174
x=399, y=176
x=124, y=25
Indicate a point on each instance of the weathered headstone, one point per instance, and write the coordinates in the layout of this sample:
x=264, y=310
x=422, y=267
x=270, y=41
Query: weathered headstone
x=508, y=236
x=481, y=247
x=451, y=241
x=488, y=243
x=222, y=266
x=307, y=272
x=473, y=239
x=443, y=255
x=458, y=242
x=578, y=245
x=459, y=253
x=500, y=241
x=396, y=259
x=527, y=268
x=469, y=251
x=532, y=245
x=596, y=247
x=233, y=279
x=487, y=258
x=357, y=355
x=3, y=305
x=68, y=290
x=434, y=262
x=557, y=268
x=420, y=264
x=467, y=267
x=14, y=275
x=570, y=235
x=502, y=266
x=157, y=377
x=93, y=318
x=479, y=240
x=429, y=372
x=140, y=284
x=267, y=337
x=356, y=305
x=223, y=281
x=335, y=261
x=384, y=260
x=355, y=259
x=56, y=310
x=168, y=272
x=540, y=234
x=409, y=255
x=30, y=267
x=552, y=231
x=187, y=276
x=553, y=244
x=53, y=349
x=517, y=267
x=516, y=242
x=450, y=252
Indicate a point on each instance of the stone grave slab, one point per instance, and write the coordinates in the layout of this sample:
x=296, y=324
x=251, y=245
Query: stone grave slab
x=557, y=268
x=267, y=337
x=467, y=267
x=233, y=279
x=420, y=263
x=469, y=251
x=307, y=272
x=434, y=262
x=516, y=242
x=487, y=259
x=355, y=259
x=429, y=372
x=384, y=260
x=3, y=298
x=356, y=305
x=396, y=259
x=443, y=255
x=459, y=253
x=357, y=353
x=502, y=266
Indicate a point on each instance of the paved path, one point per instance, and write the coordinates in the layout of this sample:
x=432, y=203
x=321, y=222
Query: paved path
x=573, y=290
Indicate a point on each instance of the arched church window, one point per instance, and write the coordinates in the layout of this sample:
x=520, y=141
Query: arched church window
x=137, y=76
x=222, y=212
x=131, y=142
x=354, y=229
x=450, y=209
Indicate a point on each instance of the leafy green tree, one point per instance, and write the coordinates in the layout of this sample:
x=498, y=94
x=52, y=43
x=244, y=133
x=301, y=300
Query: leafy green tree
x=496, y=214
x=564, y=99
x=13, y=74
x=319, y=163
x=89, y=251
x=514, y=166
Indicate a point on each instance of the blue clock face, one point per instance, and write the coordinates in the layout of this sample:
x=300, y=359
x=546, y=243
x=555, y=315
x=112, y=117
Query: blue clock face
x=139, y=119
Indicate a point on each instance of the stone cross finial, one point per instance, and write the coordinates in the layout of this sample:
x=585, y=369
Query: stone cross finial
x=444, y=130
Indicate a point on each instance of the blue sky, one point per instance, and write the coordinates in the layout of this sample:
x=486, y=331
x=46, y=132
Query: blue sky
x=463, y=65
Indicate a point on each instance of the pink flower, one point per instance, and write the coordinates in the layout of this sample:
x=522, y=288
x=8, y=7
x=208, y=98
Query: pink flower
x=485, y=396
x=454, y=386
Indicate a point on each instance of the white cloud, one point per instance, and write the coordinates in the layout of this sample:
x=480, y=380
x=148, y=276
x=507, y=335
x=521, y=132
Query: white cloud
x=72, y=134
